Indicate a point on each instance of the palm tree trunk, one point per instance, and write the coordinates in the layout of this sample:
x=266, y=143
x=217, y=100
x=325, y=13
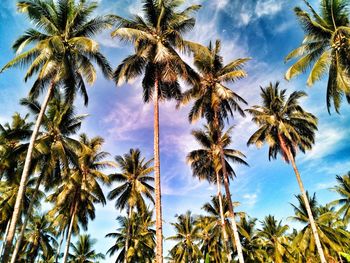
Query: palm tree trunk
x=65, y=257
x=127, y=236
x=306, y=201
x=158, y=204
x=5, y=235
x=59, y=247
x=24, y=225
x=230, y=207
x=223, y=222
x=25, y=174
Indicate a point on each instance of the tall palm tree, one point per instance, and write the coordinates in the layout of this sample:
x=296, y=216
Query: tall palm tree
x=81, y=190
x=134, y=179
x=206, y=164
x=59, y=123
x=286, y=127
x=83, y=251
x=60, y=54
x=155, y=37
x=325, y=48
x=215, y=101
x=333, y=236
x=343, y=189
x=187, y=236
x=138, y=230
x=39, y=236
x=273, y=233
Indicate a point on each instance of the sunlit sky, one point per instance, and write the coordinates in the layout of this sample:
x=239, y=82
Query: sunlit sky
x=265, y=30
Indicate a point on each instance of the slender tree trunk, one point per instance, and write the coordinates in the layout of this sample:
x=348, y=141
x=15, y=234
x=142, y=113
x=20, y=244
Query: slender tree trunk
x=65, y=257
x=25, y=174
x=24, y=225
x=5, y=235
x=223, y=221
x=127, y=236
x=158, y=205
x=306, y=201
x=59, y=247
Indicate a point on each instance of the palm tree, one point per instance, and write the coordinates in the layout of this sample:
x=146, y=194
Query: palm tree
x=60, y=54
x=333, y=236
x=59, y=123
x=81, y=190
x=187, y=235
x=83, y=251
x=325, y=48
x=215, y=101
x=39, y=236
x=206, y=163
x=286, y=127
x=273, y=233
x=137, y=229
x=155, y=37
x=134, y=180
x=343, y=189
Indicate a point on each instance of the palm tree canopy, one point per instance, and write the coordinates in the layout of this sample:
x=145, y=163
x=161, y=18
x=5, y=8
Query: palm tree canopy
x=281, y=120
x=213, y=99
x=343, y=189
x=325, y=48
x=135, y=177
x=155, y=36
x=60, y=47
x=83, y=251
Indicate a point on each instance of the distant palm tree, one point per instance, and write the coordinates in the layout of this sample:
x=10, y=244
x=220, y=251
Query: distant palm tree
x=215, y=101
x=333, y=235
x=60, y=54
x=186, y=249
x=141, y=238
x=343, y=189
x=39, y=236
x=325, y=48
x=81, y=190
x=60, y=123
x=83, y=251
x=273, y=233
x=155, y=36
x=286, y=127
x=206, y=163
x=134, y=179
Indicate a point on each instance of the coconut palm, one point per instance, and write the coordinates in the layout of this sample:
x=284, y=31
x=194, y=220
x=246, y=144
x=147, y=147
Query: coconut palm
x=134, y=179
x=333, y=236
x=81, y=190
x=206, y=163
x=325, y=48
x=343, y=189
x=39, y=236
x=273, y=233
x=58, y=148
x=215, y=101
x=137, y=229
x=83, y=251
x=286, y=127
x=60, y=53
x=187, y=236
x=155, y=36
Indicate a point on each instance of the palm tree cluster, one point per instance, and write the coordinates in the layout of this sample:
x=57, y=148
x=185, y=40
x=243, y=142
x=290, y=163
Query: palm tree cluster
x=44, y=159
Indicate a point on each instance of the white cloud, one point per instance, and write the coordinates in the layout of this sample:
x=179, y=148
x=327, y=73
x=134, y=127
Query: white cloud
x=250, y=199
x=267, y=7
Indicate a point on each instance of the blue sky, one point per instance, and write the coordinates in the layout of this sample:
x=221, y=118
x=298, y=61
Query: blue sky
x=265, y=30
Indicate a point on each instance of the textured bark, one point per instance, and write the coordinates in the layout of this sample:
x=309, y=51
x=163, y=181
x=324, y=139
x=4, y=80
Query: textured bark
x=222, y=217
x=65, y=257
x=24, y=225
x=158, y=205
x=288, y=153
x=25, y=174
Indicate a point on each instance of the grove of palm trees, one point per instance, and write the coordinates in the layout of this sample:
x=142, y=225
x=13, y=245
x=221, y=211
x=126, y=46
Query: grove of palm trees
x=175, y=131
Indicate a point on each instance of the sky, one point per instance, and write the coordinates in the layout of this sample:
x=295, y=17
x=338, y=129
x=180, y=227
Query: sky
x=264, y=30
